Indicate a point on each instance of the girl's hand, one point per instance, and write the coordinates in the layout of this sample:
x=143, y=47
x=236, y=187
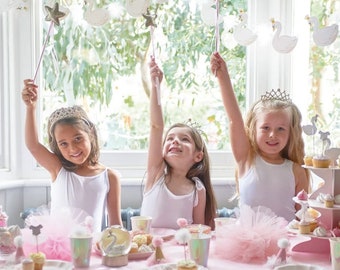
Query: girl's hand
x=29, y=93
x=155, y=72
x=217, y=64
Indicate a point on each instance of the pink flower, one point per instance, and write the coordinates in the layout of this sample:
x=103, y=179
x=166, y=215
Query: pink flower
x=182, y=222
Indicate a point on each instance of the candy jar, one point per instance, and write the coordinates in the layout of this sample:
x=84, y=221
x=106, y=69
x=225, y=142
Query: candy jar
x=115, y=244
x=7, y=236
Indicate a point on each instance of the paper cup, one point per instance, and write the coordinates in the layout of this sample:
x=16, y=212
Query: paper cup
x=335, y=252
x=199, y=249
x=81, y=251
x=141, y=223
x=222, y=222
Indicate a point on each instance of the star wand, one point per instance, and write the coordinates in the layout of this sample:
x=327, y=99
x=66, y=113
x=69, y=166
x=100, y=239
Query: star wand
x=53, y=15
x=151, y=23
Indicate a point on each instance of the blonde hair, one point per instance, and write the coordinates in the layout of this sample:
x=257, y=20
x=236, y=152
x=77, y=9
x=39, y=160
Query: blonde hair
x=294, y=150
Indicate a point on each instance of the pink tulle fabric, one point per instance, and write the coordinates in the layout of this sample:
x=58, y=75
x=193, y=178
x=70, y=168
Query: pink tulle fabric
x=53, y=239
x=253, y=237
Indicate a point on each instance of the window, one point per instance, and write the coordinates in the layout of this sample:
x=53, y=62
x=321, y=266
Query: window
x=22, y=34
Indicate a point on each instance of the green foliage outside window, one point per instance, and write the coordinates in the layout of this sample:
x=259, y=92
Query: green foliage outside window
x=106, y=69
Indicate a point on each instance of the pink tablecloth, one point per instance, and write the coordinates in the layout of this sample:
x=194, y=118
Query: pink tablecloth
x=174, y=253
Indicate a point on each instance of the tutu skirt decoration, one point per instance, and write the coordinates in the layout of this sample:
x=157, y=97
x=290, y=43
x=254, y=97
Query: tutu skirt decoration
x=253, y=238
x=53, y=239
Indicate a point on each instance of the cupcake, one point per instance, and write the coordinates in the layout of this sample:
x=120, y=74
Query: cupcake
x=329, y=200
x=186, y=265
x=313, y=225
x=321, y=162
x=308, y=160
x=304, y=227
x=27, y=264
x=320, y=232
x=38, y=260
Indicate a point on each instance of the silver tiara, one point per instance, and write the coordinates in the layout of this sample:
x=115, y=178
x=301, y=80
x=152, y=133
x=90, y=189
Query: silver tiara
x=276, y=95
x=68, y=112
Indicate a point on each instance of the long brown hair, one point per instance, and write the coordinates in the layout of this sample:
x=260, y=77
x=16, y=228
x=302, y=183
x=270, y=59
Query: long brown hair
x=201, y=170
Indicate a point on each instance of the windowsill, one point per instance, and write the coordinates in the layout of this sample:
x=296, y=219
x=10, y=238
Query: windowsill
x=7, y=184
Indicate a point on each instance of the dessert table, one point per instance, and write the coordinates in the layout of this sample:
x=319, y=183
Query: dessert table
x=174, y=252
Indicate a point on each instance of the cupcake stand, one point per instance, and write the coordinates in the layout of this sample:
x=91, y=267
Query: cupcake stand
x=329, y=216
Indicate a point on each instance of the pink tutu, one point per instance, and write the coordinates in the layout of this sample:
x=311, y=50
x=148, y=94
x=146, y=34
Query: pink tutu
x=53, y=239
x=253, y=237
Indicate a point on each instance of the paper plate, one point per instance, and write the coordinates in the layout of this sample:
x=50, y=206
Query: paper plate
x=171, y=266
x=140, y=255
x=298, y=267
x=52, y=265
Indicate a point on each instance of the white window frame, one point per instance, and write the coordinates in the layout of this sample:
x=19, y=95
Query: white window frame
x=266, y=69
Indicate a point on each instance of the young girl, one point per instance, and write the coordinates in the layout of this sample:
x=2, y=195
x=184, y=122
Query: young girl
x=268, y=147
x=178, y=181
x=78, y=179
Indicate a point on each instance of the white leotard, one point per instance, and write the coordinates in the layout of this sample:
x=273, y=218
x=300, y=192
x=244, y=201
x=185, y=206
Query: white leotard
x=270, y=185
x=165, y=207
x=88, y=193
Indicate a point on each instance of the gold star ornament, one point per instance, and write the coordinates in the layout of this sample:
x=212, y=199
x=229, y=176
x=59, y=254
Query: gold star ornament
x=54, y=14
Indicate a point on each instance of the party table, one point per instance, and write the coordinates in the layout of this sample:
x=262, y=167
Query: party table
x=174, y=252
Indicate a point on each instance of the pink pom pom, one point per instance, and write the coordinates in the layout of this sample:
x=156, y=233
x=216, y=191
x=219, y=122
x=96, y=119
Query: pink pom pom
x=157, y=241
x=182, y=222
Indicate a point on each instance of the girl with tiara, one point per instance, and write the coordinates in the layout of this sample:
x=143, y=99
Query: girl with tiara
x=268, y=147
x=178, y=183
x=79, y=181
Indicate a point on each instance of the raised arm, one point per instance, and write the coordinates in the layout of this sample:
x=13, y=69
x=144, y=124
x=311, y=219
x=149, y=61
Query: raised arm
x=42, y=155
x=155, y=152
x=239, y=141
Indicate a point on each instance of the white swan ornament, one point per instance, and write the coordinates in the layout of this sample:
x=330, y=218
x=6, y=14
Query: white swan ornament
x=96, y=16
x=137, y=8
x=283, y=43
x=243, y=35
x=324, y=36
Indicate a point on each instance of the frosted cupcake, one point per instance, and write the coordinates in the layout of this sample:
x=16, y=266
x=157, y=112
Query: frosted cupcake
x=320, y=232
x=329, y=200
x=186, y=265
x=27, y=264
x=308, y=160
x=321, y=162
x=304, y=227
x=38, y=260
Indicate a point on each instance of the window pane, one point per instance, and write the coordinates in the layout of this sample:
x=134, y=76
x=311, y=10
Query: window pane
x=105, y=69
x=324, y=67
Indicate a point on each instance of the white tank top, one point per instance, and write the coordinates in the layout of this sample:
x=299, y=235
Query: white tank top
x=270, y=185
x=165, y=207
x=87, y=193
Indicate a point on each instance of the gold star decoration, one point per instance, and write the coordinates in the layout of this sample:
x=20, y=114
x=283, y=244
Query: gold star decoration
x=54, y=14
